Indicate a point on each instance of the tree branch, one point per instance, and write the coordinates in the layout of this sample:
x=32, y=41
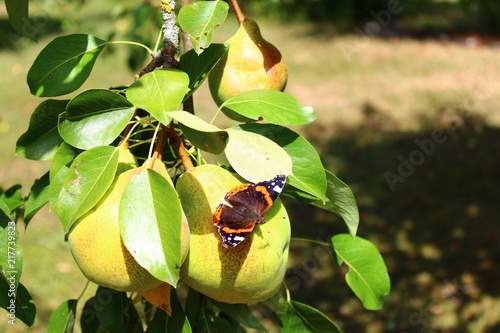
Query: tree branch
x=170, y=34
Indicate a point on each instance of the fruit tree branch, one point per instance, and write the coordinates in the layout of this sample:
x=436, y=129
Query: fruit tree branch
x=170, y=34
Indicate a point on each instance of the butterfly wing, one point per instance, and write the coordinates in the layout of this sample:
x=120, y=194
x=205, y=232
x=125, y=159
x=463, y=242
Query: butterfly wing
x=273, y=187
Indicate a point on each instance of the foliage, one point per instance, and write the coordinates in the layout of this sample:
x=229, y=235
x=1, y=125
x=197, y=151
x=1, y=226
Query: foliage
x=342, y=13
x=82, y=137
x=475, y=15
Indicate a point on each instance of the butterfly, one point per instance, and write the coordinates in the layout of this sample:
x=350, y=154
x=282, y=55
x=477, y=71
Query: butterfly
x=248, y=203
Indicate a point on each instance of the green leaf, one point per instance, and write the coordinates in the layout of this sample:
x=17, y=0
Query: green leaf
x=159, y=323
x=11, y=254
x=23, y=308
x=313, y=319
x=159, y=92
x=63, y=157
x=64, y=65
x=94, y=118
x=255, y=157
x=42, y=139
x=150, y=210
x=297, y=317
x=111, y=309
x=12, y=197
x=307, y=170
x=240, y=313
x=211, y=323
x=341, y=201
x=62, y=319
x=5, y=213
x=55, y=188
x=367, y=275
x=289, y=321
x=58, y=170
x=200, y=19
x=197, y=66
x=203, y=135
x=192, y=305
x=89, y=322
x=38, y=197
x=270, y=105
x=86, y=181
x=178, y=322
x=18, y=17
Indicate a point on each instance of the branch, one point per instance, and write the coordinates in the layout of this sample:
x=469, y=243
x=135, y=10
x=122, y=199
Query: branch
x=170, y=34
x=166, y=57
x=154, y=64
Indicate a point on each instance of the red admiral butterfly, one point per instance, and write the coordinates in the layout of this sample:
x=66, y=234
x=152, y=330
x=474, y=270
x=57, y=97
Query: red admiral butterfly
x=248, y=203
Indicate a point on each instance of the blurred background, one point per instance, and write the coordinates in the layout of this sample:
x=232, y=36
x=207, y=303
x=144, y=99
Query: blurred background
x=406, y=96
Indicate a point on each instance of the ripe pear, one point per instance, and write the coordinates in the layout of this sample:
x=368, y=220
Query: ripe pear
x=252, y=271
x=98, y=248
x=250, y=63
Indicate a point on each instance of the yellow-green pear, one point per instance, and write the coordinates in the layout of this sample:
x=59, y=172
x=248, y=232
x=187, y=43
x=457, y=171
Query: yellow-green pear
x=98, y=248
x=250, y=63
x=250, y=272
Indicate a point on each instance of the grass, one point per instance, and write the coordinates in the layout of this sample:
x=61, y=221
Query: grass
x=437, y=230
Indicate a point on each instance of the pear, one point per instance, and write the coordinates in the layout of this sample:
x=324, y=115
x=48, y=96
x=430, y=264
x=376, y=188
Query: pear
x=252, y=271
x=98, y=248
x=250, y=63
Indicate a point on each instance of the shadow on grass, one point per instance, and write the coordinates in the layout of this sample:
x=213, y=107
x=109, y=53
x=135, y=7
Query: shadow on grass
x=435, y=222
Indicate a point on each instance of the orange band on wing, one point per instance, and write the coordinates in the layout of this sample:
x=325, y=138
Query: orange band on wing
x=248, y=228
x=267, y=196
x=217, y=213
x=237, y=189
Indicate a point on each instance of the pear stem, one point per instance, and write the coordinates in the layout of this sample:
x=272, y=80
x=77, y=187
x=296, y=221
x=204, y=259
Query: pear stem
x=84, y=290
x=126, y=132
x=239, y=14
x=160, y=142
x=178, y=145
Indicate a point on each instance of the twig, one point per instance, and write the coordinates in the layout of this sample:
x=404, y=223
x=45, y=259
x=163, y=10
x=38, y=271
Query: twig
x=154, y=64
